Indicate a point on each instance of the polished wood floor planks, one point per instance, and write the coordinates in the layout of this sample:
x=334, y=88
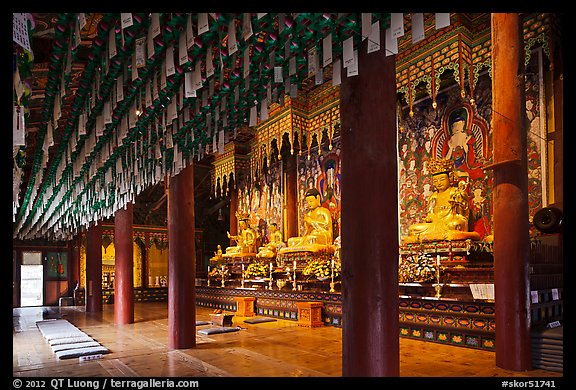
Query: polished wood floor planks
x=272, y=349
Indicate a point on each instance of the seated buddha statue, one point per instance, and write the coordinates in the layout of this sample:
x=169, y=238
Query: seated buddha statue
x=448, y=208
x=217, y=254
x=317, y=235
x=275, y=242
x=245, y=240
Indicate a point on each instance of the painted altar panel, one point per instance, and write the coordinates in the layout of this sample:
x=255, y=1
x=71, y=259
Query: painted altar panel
x=323, y=172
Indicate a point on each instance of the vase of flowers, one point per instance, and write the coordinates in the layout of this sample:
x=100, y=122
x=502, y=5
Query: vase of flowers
x=255, y=270
x=320, y=269
x=421, y=268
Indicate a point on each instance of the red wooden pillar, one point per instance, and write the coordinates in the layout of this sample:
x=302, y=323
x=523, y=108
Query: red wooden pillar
x=123, y=266
x=291, y=197
x=181, y=261
x=94, y=269
x=370, y=338
x=511, y=234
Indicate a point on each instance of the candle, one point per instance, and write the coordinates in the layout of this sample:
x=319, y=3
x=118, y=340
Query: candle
x=208, y=269
x=438, y=260
x=242, y=267
x=294, y=265
x=270, y=267
x=332, y=262
x=222, y=269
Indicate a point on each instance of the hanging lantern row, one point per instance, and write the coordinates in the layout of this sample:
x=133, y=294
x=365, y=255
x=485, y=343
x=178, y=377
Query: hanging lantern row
x=233, y=82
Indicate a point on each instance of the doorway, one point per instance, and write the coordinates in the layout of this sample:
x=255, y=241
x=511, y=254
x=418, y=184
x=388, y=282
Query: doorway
x=31, y=280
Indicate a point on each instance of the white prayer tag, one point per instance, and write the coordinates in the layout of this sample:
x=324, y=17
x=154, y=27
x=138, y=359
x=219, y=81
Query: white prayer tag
x=189, y=90
x=352, y=69
x=260, y=15
x=126, y=19
x=155, y=24
x=292, y=66
x=312, y=61
x=391, y=43
x=170, y=70
x=246, y=26
x=111, y=42
x=278, y=74
x=202, y=23
x=182, y=49
x=120, y=88
x=366, y=25
x=81, y=20
x=163, y=75
x=534, y=296
x=232, y=44
x=189, y=32
x=246, y=61
x=417, y=27
x=337, y=73
x=150, y=43
x=397, y=24
x=209, y=63
x=348, y=52
x=442, y=20
x=253, y=115
x=327, y=50
x=374, y=38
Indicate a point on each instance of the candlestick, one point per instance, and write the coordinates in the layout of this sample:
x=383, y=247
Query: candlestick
x=294, y=280
x=242, y=276
x=438, y=287
x=270, y=281
x=208, y=276
x=223, y=284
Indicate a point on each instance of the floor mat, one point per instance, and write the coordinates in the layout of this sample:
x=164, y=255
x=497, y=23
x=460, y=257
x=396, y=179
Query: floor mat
x=67, y=341
x=257, y=320
x=220, y=329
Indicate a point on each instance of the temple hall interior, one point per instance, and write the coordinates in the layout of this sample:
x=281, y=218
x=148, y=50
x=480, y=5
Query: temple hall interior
x=288, y=195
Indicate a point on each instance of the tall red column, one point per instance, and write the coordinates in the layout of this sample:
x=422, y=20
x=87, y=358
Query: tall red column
x=370, y=338
x=511, y=234
x=123, y=266
x=291, y=197
x=94, y=269
x=181, y=261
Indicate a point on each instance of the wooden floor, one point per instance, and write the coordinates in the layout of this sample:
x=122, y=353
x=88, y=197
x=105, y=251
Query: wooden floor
x=273, y=349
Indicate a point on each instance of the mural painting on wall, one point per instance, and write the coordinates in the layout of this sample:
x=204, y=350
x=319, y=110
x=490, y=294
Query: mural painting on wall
x=57, y=265
x=323, y=172
x=536, y=133
x=456, y=130
x=461, y=131
x=263, y=199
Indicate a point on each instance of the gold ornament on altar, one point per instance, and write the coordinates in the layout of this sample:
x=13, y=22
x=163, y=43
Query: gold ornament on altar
x=448, y=208
x=242, y=216
x=255, y=270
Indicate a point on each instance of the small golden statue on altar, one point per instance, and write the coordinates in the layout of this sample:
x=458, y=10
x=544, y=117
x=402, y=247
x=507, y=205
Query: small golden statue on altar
x=245, y=240
x=317, y=236
x=217, y=254
x=448, y=208
x=276, y=242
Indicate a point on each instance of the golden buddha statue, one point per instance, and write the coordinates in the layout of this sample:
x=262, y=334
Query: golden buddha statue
x=317, y=236
x=245, y=240
x=275, y=242
x=448, y=208
x=217, y=254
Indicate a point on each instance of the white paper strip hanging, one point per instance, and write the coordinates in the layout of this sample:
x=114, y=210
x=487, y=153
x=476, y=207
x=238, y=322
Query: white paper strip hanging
x=232, y=44
x=397, y=24
x=417, y=27
x=170, y=70
x=203, y=23
x=327, y=50
x=366, y=25
x=374, y=38
x=442, y=20
x=126, y=20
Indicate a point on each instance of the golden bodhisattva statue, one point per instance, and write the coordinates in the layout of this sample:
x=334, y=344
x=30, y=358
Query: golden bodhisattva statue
x=448, y=208
x=245, y=240
x=217, y=254
x=275, y=242
x=317, y=236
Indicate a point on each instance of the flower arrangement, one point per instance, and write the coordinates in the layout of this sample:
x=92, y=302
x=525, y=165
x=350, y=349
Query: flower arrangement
x=421, y=268
x=255, y=270
x=321, y=269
